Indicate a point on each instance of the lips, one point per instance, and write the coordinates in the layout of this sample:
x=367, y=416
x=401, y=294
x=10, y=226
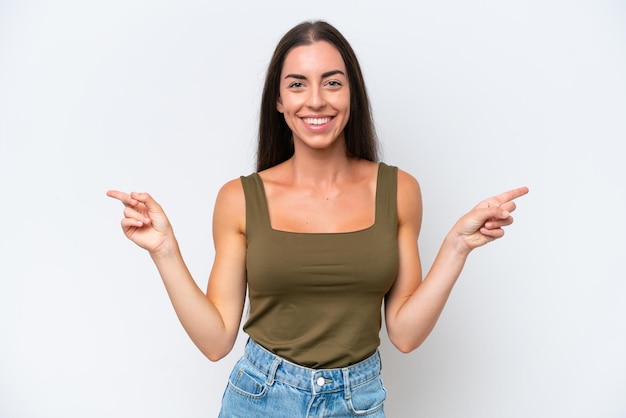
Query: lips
x=316, y=121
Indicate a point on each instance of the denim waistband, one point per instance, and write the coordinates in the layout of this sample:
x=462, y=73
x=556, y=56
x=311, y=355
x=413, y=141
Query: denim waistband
x=278, y=369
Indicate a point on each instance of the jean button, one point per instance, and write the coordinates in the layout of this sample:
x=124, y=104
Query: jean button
x=321, y=381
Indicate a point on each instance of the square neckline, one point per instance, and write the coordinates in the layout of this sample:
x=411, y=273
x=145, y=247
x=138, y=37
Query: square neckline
x=362, y=230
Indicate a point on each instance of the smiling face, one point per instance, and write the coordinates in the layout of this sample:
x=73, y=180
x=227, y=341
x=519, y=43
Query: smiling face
x=314, y=96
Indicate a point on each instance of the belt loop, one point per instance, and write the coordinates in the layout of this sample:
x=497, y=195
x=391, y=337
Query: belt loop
x=272, y=371
x=346, y=383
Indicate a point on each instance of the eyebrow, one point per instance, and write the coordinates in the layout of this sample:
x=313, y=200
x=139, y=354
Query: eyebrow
x=326, y=74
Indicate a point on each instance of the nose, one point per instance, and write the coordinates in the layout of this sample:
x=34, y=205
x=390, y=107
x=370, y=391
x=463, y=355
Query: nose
x=315, y=99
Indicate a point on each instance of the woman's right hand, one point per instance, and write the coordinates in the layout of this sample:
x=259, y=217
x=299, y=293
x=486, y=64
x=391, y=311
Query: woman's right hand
x=145, y=222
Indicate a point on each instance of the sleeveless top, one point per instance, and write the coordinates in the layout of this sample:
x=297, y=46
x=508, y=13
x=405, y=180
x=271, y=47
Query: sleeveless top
x=315, y=298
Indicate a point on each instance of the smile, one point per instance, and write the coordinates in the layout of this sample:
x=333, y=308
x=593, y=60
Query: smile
x=316, y=121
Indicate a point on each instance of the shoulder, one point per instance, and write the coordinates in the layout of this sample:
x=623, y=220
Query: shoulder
x=230, y=204
x=408, y=186
x=231, y=191
x=407, y=183
x=409, y=198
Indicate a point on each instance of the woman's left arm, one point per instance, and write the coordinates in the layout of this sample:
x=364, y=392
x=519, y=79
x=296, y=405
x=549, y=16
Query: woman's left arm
x=413, y=305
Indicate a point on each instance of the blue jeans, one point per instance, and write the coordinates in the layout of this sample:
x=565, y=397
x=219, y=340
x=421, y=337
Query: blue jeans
x=265, y=385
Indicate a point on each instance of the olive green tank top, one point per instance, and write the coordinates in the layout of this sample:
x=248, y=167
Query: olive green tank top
x=315, y=298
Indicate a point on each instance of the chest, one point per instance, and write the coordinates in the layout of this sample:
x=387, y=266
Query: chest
x=312, y=211
x=285, y=263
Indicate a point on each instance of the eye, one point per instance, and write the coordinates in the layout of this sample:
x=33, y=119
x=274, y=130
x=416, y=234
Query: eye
x=296, y=85
x=334, y=83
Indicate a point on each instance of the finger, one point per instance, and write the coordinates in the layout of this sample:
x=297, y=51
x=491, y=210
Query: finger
x=147, y=200
x=131, y=213
x=116, y=194
x=507, y=196
x=508, y=206
x=492, y=233
x=125, y=198
x=491, y=213
x=128, y=223
x=498, y=223
x=144, y=198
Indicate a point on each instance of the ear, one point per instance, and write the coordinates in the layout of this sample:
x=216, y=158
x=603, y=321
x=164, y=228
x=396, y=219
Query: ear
x=279, y=105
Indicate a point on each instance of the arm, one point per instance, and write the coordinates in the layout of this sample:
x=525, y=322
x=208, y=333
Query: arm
x=211, y=320
x=413, y=305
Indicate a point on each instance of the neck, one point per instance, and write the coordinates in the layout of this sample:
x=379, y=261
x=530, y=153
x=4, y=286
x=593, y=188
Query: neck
x=325, y=171
x=315, y=165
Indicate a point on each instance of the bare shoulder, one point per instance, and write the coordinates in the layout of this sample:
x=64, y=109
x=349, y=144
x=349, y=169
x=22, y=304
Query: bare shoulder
x=408, y=186
x=231, y=189
x=231, y=193
x=409, y=198
x=230, y=205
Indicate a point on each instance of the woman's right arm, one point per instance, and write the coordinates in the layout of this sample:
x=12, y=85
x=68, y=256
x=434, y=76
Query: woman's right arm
x=211, y=320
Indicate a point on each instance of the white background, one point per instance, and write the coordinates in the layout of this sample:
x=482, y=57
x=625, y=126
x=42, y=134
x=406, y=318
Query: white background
x=471, y=97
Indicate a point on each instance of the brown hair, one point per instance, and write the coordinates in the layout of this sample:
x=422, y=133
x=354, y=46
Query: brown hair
x=275, y=138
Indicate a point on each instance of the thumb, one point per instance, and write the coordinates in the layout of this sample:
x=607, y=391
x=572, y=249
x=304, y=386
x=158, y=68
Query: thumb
x=146, y=199
x=151, y=205
x=493, y=212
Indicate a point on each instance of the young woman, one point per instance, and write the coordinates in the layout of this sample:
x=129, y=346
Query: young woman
x=319, y=236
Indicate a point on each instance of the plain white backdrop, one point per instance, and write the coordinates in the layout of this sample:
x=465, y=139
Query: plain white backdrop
x=471, y=97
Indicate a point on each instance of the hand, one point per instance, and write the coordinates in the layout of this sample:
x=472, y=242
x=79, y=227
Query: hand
x=144, y=221
x=484, y=222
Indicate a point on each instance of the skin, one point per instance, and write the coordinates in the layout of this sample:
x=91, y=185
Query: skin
x=312, y=192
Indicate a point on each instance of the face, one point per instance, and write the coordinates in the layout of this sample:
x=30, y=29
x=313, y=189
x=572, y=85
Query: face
x=314, y=96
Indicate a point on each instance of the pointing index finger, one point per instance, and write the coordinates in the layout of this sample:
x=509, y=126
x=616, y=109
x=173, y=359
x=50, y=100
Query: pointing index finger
x=508, y=196
x=125, y=198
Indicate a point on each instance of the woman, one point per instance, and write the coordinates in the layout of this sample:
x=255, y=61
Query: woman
x=319, y=236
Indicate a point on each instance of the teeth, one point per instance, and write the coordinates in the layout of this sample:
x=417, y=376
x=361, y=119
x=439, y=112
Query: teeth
x=316, y=121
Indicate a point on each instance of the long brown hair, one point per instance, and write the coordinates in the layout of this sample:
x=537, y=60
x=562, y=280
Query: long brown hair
x=275, y=138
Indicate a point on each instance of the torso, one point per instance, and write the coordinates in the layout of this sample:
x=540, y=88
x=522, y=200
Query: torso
x=315, y=293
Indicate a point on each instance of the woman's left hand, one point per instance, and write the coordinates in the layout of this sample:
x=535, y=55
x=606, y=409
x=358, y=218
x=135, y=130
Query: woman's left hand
x=484, y=222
